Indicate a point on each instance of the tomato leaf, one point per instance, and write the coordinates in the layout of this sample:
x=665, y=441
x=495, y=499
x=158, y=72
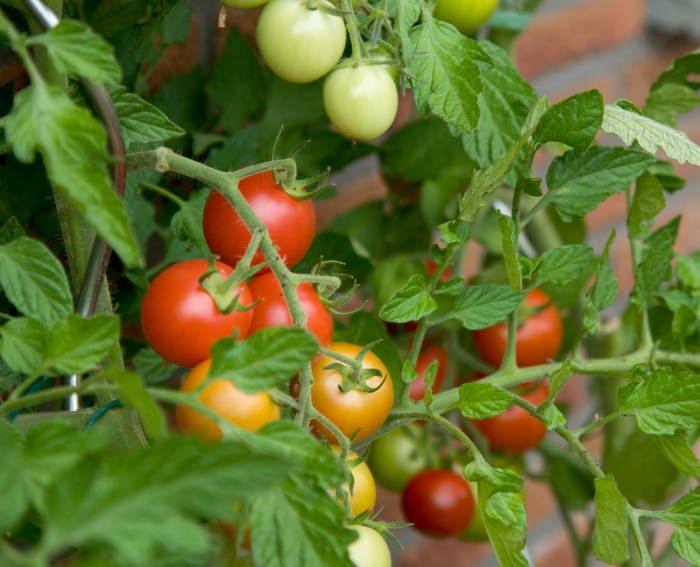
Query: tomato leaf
x=480, y=306
x=510, y=252
x=268, y=358
x=504, y=105
x=579, y=181
x=683, y=516
x=151, y=367
x=410, y=303
x=563, y=265
x=23, y=344
x=506, y=508
x=34, y=280
x=610, y=537
x=236, y=88
x=72, y=143
x=574, y=121
x=486, y=181
x=76, y=50
x=141, y=121
x=655, y=265
x=559, y=378
x=187, y=221
x=15, y=499
x=631, y=127
x=603, y=291
x=677, y=450
x=299, y=525
x=480, y=401
x=446, y=66
x=663, y=403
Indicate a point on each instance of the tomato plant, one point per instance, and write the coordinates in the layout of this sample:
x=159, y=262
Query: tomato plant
x=356, y=413
x=271, y=308
x=439, y=503
x=537, y=339
x=299, y=41
x=247, y=411
x=179, y=318
x=466, y=15
x=395, y=458
x=362, y=490
x=291, y=222
x=361, y=100
x=432, y=353
x=369, y=549
x=515, y=430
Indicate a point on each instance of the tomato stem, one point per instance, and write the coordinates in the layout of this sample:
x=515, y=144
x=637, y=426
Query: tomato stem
x=353, y=30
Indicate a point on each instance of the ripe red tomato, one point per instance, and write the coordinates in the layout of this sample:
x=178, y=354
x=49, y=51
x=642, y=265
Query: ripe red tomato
x=291, y=222
x=272, y=311
x=425, y=359
x=353, y=411
x=179, y=318
x=247, y=411
x=515, y=430
x=439, y=503
x=537, y=340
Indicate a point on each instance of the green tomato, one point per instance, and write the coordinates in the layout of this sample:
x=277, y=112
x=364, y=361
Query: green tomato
x=466, y=15
x=361, y=101
x=395, y=458
x=243, y=3
x=300, y=44
x=369, y=549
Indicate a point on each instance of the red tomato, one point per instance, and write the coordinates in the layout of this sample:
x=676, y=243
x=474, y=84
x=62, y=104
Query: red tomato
x=439, y=503
x=272, y=311
x=515, y=430
x=537, y=340
x=353, y=411
x=290, y=222
x=425, y=359
x=247, y=411
x=179, y=318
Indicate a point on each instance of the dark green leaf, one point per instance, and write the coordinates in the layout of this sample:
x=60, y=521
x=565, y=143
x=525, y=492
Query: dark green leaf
x=667, y=102
x=688, y=269
x=446, y=67
x=187, y=221
x=134, y=395
x=574, y=121
x=481, y=401
x=11, y=230
x=610, y=538
x=683, y=516
x=678, y=451
x=481, y=306
x=410, y=303
x=655, y=265
x=76, y=50
x=151, y=367
x=141, y=121
x=34, y=280
x=268, y=358
x=569, y=478
x=563, y=265
x=237, y=83
x=504, y=103
x=604, y=290
x=648, y=202
x=15, y=498
x=579, y=181
x=23, y=344
x=72, y=143
x=663, y=403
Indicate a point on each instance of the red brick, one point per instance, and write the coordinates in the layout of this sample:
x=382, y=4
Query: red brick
x=571, y=33
x=612, y=211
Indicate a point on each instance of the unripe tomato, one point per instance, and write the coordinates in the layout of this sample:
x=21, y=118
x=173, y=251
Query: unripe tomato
x=271, y=308
x=363, y=492
x=439, y=503
x=515, y=430
x=179, y=318
x=369, y=549
x=291, y=222
x=243, y=3
x=466, y=15
x=537, y=340
x=300, y=44
x=353, y=412
x=247, y=411
x=429, y=355
x=395, y=458
x=361, y=101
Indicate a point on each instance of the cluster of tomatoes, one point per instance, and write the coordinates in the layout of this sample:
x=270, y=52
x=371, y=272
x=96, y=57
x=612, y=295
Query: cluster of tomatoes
x=305, y=41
